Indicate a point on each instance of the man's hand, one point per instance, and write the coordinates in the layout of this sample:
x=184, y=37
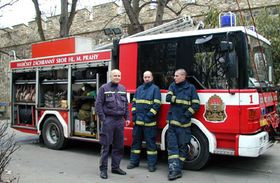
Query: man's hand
x=127, y=122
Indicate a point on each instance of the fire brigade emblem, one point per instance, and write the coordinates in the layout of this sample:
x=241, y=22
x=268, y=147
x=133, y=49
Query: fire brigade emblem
x=215, y=109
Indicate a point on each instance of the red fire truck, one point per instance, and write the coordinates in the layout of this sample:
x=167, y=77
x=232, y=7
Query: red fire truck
x=53, y=93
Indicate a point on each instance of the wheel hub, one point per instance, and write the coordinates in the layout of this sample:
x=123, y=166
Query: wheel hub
x=194, y=149
x=53, y=134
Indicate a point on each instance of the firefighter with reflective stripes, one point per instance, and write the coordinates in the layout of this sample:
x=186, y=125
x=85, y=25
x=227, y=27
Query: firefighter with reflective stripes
x=145, y=106
x=112, y=110
x=184, y=102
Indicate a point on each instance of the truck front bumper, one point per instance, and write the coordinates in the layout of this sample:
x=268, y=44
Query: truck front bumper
x=254, y=145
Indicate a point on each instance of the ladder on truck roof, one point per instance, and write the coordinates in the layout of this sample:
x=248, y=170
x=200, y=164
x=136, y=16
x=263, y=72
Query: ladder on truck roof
x=184, y=23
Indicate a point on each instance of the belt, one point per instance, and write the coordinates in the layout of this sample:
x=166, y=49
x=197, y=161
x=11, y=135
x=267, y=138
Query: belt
x=114, y=116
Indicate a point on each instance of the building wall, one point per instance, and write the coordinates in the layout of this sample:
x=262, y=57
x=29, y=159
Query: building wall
x=92, y=22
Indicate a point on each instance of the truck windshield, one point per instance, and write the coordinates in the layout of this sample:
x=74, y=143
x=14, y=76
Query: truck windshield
x=213, y=61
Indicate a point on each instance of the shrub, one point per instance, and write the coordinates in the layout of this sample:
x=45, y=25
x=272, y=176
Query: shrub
x=7, y=146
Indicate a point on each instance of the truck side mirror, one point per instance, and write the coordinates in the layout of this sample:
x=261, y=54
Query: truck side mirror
x=226, y=46
x=232, y=64
x=231, y=59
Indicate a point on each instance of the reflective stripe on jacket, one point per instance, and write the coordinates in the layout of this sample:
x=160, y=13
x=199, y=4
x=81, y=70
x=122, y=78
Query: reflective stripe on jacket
x=184, y=102
x=146, y=104
x=112, y=101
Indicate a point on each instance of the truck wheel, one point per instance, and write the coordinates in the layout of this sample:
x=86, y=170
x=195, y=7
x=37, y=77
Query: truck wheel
x=53, y=134
x=198, y=155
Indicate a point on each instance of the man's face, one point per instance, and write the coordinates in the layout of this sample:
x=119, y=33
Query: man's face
x=116, y=76
x=147, y=77
x=178, y=77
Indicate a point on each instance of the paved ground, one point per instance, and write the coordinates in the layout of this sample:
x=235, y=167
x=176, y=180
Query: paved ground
x=34, y=163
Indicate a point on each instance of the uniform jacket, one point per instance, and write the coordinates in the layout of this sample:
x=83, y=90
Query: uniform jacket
x=112, y=101
x=184, y=103
x=146, y=104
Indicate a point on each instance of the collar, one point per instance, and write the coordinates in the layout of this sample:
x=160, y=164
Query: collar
x=114, y=85
x=147, y=85
x=181, y=84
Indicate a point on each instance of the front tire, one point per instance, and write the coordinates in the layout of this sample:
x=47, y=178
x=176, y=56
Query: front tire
x=199, y=154
x=53, y=134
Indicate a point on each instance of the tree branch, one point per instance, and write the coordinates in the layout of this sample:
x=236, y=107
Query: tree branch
x=145, y=4
x=177, y=13
x=9, y=3
x=109, y=21
x=72, y=14
x=38, y=20
x=160, y=12
x=133, y=17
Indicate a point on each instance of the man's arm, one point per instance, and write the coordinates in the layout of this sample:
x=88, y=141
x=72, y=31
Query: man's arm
x=126, y=116
x=171, y=97
x=195, y=103
x=99, y=104
x=133, y=110
x=156, y=103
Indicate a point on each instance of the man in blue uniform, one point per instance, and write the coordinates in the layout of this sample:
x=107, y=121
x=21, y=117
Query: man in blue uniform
x=184, y=102
x=145, y=106
x=112, y=110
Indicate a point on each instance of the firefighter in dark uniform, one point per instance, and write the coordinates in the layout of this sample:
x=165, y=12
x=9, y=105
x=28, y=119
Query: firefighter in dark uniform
x=184, y=102
x=112, y=110
x=145, y=106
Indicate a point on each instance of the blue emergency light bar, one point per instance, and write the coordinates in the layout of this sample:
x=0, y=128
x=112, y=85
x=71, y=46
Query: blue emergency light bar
x=227, y=19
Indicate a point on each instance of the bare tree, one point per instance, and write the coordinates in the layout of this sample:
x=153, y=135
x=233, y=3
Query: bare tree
x=38, y=20
x=133, y=8
x=65, y=20
x=160, y=12
x=7, y=147
x=181, y=6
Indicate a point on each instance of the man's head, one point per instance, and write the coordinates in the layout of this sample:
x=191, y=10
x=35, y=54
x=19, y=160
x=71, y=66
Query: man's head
x=147, y=76
x=115, y=76
x=180, y=76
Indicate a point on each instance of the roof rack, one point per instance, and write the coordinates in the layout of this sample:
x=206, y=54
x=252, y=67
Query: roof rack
x=184, y=23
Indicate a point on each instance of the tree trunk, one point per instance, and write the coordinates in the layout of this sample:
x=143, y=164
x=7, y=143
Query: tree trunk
x=64, y=19
x=10, y=3
x=160, y=12
x=72, y=14
x=133, y=17
x=38, y=20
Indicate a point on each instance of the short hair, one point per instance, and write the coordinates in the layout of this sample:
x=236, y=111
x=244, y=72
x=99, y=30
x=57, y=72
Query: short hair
x=114, y=70
x=182, y=71
x=148, y=72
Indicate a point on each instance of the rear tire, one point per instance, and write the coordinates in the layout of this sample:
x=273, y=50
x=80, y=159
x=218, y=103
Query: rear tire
x=199, y=154
x=53, y=134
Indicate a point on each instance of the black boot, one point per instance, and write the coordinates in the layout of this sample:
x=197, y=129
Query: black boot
x=118, y=171
x=174, y=175
x=103, y=174
x=131, y=166
x=152, y=168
